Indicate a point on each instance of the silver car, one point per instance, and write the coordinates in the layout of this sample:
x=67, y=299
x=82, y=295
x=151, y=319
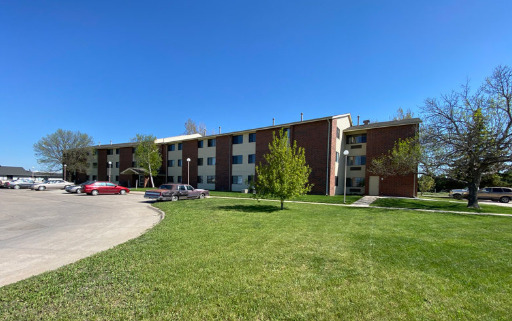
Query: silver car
x=51, y=184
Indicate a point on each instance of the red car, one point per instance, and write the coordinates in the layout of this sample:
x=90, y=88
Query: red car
x=104, y=188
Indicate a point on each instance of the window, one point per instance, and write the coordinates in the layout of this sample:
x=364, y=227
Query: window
x=94, y=165
x=117, y=178
x=355, y=182
x=238, y=139
x=250, y=179
x=179, y=162
x=336, y=180
x=212, y=142
x=286, y=131
x=180, y=146
x=199, y=179
x=356, y=160
x=251, y=159
x=337, y=156
x=170, y=163
x=211, y=161
x=237, y=159
x=237, y=179
x=117, y=151
x=171, y=148
x=252, y=137
x=356, y=139
x=110, y=151
x=199, y=162
x=94, y=177
x=134, y=164
x=133, y=150
x=338, y=133
x=199, y=144
x=179, y=179
x=210, y=179
x=117, y=164
x=170, y=179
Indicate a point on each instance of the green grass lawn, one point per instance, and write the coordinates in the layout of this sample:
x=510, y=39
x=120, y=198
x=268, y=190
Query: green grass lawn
x=224, y=259
x=456, y=206
x=336, y=199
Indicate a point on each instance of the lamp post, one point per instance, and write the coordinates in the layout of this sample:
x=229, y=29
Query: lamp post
x=345, y=152
x=109, y=170
x=64, y=172
x=188, y=171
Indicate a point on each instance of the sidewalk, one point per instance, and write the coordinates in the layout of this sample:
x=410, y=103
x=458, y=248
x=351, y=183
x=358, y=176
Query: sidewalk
x=365, y=201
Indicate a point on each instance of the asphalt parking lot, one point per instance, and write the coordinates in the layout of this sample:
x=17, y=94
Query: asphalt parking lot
x=41, y=231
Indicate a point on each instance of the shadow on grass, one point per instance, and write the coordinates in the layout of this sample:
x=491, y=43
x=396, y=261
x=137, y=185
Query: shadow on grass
x=251, y=208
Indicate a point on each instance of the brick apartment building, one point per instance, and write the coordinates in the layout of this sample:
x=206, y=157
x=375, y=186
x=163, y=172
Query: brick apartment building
x=226, y=162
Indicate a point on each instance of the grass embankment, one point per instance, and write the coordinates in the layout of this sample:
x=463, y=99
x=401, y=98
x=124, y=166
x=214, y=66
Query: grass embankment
x=238, y=260
x=452, y=206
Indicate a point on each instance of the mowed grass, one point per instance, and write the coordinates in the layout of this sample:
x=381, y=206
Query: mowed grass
x=335, y=199
x=224, y=259
x=453, y=206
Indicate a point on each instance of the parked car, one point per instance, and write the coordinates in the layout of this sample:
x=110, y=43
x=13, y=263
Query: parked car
x=497, y=194
x=51, y=184
x=21, y=183
x=96, y=188
x=77, y=188
x=458, y=194
x=174, y=192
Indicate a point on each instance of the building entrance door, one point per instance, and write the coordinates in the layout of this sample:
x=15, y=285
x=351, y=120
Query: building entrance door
x=373, y=189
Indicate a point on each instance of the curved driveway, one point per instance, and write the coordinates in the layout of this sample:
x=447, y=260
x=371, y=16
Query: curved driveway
x=41, y=231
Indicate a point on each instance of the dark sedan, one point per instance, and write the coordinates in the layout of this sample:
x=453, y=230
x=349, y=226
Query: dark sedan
x=174, y=192
x=104, y=188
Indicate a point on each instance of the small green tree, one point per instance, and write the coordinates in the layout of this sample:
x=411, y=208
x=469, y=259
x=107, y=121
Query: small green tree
x=148, y=155
x=426, y=184
x=285, y=173
x=402, y=159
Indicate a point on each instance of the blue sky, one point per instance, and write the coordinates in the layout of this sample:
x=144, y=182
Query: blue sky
x=113, y=69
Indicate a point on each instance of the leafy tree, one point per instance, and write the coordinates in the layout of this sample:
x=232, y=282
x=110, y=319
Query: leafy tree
x=64, y=147
x=147, y=155
x=426, y=184
x=469, y=134
x=285, y=173
x=402, y=159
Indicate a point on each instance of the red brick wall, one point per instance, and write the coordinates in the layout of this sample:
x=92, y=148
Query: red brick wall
x=379, y=142
x=223, y=163
x=102, y=165
x=190, y=151
x=263, y=138
x=314, y=138
x=125, y=161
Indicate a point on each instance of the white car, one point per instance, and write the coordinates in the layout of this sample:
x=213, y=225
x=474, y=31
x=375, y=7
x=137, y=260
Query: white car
x=51, y=184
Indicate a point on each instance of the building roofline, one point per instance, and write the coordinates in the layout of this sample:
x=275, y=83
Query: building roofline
x=182, y=138
x=392, y=123
x=278, y=126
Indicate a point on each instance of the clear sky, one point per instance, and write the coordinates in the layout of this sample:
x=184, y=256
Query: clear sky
x=113, y=69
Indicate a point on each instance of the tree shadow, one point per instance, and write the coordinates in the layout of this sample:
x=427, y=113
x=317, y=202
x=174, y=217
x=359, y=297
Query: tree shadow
x=251, y=208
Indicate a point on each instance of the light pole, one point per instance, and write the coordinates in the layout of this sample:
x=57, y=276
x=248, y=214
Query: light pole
x=109, y=170
x=345, y=152
x=188, y=171
x=64, y=172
